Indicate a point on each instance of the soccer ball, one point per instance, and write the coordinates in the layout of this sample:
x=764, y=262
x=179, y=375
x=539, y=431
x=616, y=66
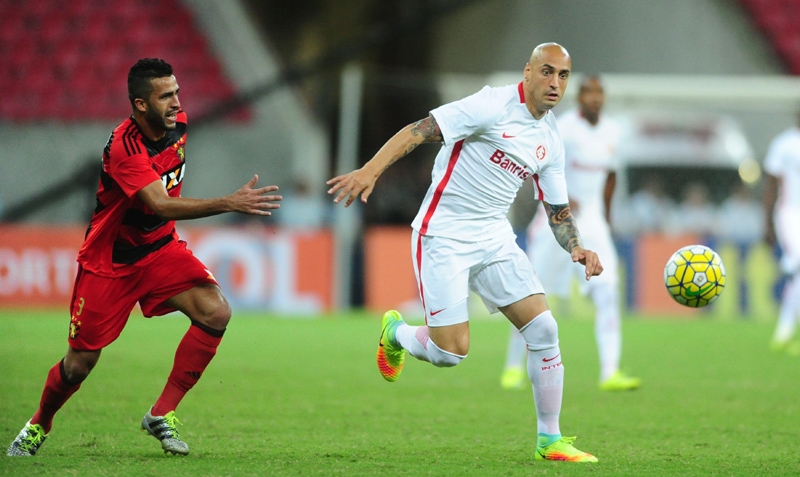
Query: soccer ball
x=694, y=276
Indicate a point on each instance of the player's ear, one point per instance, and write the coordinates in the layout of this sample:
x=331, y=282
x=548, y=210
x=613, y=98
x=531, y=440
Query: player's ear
x=140, y=105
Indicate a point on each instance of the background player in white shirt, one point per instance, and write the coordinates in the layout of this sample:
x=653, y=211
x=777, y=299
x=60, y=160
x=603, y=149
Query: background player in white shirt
x=462, y=240
x=782, y=211
x=590, y=145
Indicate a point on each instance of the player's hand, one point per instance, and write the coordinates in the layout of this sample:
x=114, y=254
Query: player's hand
x=588, y=259
x=349, y=186
x=249, y=200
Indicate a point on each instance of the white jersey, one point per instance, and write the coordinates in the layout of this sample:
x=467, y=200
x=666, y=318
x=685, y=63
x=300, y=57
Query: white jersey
x=590, y=152
x=492, y=144
x=783, y=162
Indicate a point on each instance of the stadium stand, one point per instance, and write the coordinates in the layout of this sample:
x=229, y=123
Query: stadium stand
x=779, y=21
x=67, y=61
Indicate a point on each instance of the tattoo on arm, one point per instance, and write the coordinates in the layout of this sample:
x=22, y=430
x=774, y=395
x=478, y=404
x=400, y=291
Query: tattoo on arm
x=563, y=226
x=428, y=129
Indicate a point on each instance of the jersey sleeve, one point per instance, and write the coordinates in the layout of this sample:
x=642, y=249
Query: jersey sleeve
x=461, y=119
x=131, y=171
x=551, y=183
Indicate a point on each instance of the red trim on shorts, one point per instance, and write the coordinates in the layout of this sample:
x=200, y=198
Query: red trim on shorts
x=437, y=195
x=521, y=93
x=419, y=273
x=539, y=193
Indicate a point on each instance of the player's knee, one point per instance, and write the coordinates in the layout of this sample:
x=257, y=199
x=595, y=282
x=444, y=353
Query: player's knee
x=541, y=333
x=76, y=366
x=215, y=315
x=441, y=358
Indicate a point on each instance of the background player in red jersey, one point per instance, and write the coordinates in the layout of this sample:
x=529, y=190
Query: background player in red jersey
x=132, y=253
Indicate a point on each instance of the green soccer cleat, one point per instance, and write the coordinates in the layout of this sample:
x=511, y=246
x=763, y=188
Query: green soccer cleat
x=391, y=355
x=164, y=428
x=514, y=378
x=619, y=381
x=562, y=449
x=28, y=441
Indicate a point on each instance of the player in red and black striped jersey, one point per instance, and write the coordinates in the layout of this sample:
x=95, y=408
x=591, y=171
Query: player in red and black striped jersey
x=132, y=253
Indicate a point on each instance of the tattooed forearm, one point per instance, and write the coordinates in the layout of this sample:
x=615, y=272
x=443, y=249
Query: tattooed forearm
x=428, y=129
x=563, y=226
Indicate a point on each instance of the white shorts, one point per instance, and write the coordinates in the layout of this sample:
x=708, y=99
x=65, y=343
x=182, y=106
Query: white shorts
x=555, y=265
x=497, y=270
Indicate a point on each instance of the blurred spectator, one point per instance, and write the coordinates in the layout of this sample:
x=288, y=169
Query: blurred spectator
x=740, y=217
x=741, y=223
x=302, y=208
x=647, y=209
x=695, y=214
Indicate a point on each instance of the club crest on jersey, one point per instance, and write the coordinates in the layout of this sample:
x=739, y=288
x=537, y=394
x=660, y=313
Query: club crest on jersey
x=173, y=178
x=541, y=152
x=74, y=328
x=499, y=159
x=178, y=146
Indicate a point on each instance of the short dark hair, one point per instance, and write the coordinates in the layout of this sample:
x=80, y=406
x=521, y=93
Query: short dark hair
x=142, y=73
x=589, y=78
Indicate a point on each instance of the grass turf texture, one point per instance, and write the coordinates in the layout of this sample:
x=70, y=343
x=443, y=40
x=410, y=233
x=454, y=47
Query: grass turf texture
x=303, y=397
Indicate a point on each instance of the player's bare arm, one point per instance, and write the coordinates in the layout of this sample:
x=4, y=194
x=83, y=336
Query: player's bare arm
x=559, y=217
x=769, y=198
x=608, y=194
x=246, y=200
x=562, y=223
x=362, y=181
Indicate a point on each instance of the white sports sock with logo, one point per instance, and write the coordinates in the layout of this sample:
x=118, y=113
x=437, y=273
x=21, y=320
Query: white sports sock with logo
x=545, y=371
x=607, y=329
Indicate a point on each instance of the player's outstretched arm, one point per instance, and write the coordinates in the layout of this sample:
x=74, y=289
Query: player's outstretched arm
x=246, y=200
x=566, y=232
x=362, y=181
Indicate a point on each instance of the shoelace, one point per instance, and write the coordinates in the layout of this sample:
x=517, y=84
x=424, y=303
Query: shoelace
x=172, y=421
x=568, y=440
x=32, y=440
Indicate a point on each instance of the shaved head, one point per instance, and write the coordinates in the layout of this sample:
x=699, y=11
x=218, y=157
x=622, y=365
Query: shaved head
x=549, y=47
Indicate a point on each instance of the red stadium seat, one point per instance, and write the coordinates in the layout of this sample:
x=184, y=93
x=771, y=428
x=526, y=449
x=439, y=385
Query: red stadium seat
x=60, y=56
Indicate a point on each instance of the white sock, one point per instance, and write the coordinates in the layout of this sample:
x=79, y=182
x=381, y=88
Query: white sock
x=517, y=352
x=545, y=371
x=417, y=342
x=414, y=339
x=789, y=310
x=607, y=329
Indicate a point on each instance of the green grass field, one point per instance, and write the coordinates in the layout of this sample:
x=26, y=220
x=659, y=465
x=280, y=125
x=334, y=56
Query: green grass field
x=303, y=397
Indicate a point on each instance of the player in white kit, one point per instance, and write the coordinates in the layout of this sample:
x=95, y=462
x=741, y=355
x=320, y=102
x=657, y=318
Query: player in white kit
x=782, y=211
x=461, y=241
x=591, y=142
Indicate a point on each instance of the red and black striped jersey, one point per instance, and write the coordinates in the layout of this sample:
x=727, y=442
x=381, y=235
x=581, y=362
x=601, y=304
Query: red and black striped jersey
x=123, y=230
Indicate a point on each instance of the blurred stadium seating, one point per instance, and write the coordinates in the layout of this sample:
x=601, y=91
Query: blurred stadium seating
x=779, y=21
x=68, y=61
